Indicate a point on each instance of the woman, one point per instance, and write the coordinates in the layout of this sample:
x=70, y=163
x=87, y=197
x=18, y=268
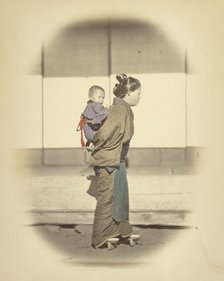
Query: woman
x=111, y=142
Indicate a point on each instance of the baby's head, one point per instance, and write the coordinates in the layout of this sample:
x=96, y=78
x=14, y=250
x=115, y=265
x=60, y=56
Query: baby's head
x=97, y=94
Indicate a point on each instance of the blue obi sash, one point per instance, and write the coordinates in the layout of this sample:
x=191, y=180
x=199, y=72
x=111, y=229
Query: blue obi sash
x=120, y=204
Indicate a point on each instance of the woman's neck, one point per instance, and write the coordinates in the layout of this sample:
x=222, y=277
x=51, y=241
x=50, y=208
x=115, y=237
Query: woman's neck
x=127, y=99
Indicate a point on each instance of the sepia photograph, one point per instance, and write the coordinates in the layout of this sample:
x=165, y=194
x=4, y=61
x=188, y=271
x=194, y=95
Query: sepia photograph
x=112, y=140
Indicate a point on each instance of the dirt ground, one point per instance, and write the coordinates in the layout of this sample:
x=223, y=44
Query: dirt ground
x=74, y=242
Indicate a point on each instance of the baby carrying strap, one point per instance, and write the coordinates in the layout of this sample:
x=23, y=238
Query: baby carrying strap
x=80, y=126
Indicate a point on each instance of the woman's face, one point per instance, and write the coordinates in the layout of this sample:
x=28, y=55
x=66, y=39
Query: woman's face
x=134, y=97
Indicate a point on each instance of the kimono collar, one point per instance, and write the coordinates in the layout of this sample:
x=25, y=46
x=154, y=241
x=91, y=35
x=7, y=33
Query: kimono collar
x=120, y=101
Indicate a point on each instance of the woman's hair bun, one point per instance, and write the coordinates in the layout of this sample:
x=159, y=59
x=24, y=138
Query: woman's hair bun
x=121, y=77
x=125, y=85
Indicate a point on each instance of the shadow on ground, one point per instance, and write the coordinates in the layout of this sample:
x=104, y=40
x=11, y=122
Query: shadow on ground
x=74, y=242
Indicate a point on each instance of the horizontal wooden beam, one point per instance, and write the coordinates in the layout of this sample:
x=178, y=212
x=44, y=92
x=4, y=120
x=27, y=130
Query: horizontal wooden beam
x=137, y=217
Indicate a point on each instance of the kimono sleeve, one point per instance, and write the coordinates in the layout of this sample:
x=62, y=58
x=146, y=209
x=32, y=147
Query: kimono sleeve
x=111, y=133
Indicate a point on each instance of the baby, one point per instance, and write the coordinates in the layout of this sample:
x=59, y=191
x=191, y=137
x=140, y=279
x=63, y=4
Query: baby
x=93, y=116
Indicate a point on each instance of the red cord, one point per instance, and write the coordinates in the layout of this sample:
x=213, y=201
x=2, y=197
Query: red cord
x=82, y=122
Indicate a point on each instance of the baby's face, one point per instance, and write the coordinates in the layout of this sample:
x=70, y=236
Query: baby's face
x=98, y=96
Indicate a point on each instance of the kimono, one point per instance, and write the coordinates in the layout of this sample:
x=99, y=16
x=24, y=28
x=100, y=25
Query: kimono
x=95, y=113
x=116, y=131
x=111, y=143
